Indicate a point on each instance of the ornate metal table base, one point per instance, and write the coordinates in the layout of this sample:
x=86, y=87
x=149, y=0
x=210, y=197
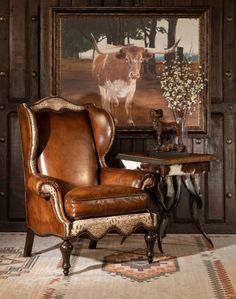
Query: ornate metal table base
x=174, y=171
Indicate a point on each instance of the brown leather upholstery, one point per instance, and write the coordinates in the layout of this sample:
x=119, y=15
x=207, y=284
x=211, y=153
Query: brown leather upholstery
x=105, y=200
x=69, y=188
x=66, y=148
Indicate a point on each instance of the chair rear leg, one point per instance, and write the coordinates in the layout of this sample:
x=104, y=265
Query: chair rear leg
x=92, y=244
x=150, y=239
x=28, y=243
x=66, y=249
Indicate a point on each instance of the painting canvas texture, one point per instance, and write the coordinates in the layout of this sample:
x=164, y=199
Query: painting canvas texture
x=116, y=62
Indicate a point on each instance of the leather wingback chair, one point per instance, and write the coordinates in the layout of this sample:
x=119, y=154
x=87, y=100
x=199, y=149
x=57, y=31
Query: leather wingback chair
x=70, y=190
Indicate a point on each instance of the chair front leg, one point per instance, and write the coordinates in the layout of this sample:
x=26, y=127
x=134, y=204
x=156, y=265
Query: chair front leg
x=66, y=249
x=28, y=243
x=92, y=244
x=150, y=239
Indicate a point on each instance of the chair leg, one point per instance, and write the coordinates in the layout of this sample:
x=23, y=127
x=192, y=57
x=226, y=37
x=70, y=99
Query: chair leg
x=92, y=244
x=150, y=239
x=28, y=243
x=66, y=249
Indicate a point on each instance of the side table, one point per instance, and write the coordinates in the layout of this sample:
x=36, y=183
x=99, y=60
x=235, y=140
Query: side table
x=173, y=169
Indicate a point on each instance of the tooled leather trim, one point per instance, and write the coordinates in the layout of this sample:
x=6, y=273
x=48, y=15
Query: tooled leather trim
x=42, y=191
x=56, y=104
x=50, y=189
x=34, y=140
x=148, y=181
x=124, y=224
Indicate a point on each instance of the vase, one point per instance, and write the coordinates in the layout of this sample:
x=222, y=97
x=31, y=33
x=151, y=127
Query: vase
x=181, y=132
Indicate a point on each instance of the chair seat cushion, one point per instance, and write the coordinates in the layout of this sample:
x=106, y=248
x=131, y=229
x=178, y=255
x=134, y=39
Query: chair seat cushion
x=104, y=200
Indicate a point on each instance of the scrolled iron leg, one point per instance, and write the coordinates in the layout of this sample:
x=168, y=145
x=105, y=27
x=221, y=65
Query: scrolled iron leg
x=28, y=243
x=195, y=203
x=66, y=249
x=150, y=239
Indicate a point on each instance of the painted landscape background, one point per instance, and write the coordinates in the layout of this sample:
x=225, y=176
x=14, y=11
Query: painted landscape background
x=77, y=54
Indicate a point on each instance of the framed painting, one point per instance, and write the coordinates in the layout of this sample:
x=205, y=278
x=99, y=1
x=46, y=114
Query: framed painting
x=114, y=57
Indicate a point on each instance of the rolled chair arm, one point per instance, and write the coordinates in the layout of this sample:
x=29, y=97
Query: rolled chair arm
x=48, y=188
x=37, y=183
x=134, y=178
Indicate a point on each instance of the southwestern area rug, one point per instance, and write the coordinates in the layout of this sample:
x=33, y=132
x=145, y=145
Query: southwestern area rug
x=189, y=269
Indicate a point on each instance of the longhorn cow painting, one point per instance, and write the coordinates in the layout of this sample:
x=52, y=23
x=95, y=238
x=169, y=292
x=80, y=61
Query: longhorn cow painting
x=116, y=61
x=116, y=71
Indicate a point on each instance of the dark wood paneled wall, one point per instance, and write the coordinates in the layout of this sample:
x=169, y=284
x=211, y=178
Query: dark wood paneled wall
x=21, y=67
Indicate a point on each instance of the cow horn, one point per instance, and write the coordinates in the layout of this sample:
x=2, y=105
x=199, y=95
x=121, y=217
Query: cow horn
x=110, y=50
x=165, y=51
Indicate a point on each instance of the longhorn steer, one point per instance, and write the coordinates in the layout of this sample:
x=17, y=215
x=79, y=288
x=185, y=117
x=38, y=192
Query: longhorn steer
x=116, y=71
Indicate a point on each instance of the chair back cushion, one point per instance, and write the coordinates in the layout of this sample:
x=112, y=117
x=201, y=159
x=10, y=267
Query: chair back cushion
x=66, y=149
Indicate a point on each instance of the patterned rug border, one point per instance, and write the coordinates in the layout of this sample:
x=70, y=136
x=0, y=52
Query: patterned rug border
x=126, y=263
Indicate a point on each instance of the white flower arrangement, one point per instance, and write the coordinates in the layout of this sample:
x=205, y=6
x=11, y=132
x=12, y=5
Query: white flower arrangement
x=182, y=86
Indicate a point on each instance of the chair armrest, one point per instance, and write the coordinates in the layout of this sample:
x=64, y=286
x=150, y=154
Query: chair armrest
x=127, y=177
x=37, y=183
x=46, y=216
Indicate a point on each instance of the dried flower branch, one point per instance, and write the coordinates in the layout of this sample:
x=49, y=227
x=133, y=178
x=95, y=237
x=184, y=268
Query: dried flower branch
x=182, y=86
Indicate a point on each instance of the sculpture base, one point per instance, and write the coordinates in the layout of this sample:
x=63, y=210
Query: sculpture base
x=170, y=147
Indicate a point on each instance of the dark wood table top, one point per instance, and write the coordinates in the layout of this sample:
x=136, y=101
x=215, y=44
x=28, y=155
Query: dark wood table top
x=169, y=158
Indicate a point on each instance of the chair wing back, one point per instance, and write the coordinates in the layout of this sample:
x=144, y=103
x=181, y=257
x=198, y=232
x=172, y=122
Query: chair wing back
x=64, y=140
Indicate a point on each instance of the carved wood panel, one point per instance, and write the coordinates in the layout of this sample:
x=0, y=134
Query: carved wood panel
x=24, y=61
